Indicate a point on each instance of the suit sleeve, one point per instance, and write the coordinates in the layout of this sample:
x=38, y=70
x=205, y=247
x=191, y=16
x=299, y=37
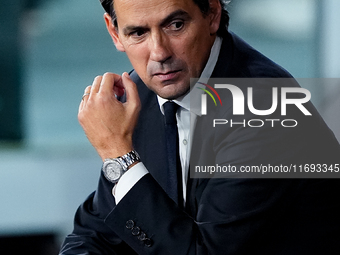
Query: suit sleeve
x=91, y=235
x=234, y=216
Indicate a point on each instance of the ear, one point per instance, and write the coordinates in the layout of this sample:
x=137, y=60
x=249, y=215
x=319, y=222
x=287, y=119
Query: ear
x=215, y=15
x=113, y=31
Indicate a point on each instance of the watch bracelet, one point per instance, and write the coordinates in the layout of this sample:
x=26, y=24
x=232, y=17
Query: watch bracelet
x=130, y=158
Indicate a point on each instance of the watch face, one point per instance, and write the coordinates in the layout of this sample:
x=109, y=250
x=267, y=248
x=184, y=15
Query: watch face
x=113, y=171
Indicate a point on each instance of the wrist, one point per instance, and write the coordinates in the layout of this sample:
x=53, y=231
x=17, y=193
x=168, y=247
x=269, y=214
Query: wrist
x=114, y=153
x=114, y=168
x=118, y=150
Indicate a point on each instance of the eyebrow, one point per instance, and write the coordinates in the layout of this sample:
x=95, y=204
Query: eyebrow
x=173, y=15
x=164, y=22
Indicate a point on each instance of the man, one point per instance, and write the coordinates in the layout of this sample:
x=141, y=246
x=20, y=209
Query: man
x=139, y=209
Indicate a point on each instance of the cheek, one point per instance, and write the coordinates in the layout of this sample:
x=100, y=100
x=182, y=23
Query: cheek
x=193, y=56
x=200, y=51
x=138, y=57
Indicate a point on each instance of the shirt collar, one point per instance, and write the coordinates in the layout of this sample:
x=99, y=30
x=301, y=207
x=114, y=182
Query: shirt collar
x=191, y=101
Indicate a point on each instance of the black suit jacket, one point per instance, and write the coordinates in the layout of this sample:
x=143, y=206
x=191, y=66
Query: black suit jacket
x=222, y=215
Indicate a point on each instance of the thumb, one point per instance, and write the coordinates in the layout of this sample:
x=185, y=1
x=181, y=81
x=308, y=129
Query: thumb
x=132, y=96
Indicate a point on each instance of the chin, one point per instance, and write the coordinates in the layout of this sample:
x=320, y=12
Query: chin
x=172, y=93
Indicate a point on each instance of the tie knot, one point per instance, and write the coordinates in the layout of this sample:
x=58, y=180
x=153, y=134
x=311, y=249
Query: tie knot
x=170, y=109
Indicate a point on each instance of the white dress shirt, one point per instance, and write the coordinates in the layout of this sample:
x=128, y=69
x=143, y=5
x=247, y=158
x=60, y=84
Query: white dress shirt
x=190, y=108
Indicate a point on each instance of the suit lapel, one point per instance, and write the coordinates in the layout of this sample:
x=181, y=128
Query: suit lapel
x=149, y=135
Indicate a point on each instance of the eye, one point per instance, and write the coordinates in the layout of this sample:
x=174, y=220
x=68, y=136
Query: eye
x=137, y=33
x=176, y=25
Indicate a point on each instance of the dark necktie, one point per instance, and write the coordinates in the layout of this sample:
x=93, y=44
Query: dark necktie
x=174, y=175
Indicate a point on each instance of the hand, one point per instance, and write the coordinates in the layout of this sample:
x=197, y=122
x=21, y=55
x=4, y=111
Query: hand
x=107, y=122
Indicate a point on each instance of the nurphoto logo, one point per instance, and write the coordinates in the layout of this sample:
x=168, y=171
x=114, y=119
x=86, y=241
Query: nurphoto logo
x=240, y=101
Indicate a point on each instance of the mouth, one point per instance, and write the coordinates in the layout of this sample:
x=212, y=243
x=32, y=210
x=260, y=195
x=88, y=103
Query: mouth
x=166, y=76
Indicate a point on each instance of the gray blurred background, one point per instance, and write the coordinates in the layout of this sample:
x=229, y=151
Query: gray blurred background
x=51, y=50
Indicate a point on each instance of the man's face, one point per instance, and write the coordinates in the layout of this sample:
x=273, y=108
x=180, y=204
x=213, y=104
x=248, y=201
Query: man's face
x=167, y=41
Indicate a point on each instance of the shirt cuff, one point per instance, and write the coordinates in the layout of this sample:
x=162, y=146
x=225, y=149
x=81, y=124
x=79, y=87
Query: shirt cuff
x=128, y=180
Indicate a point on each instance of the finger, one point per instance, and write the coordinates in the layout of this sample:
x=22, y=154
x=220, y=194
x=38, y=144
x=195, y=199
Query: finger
x=84, y=97
x=132, y=96
x=87, y=89
x=118, y=90
x=96, y=84
x=87, y=93
x=112, y=84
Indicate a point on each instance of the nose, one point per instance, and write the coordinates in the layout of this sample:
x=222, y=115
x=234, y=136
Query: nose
x=160, y=50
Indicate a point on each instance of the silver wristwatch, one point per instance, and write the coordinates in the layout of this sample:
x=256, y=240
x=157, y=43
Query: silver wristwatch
x=114, y=168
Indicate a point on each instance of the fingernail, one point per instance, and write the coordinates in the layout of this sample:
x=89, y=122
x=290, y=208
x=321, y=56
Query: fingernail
x=126, y=75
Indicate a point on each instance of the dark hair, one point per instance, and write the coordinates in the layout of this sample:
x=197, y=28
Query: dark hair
x=202, y=4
